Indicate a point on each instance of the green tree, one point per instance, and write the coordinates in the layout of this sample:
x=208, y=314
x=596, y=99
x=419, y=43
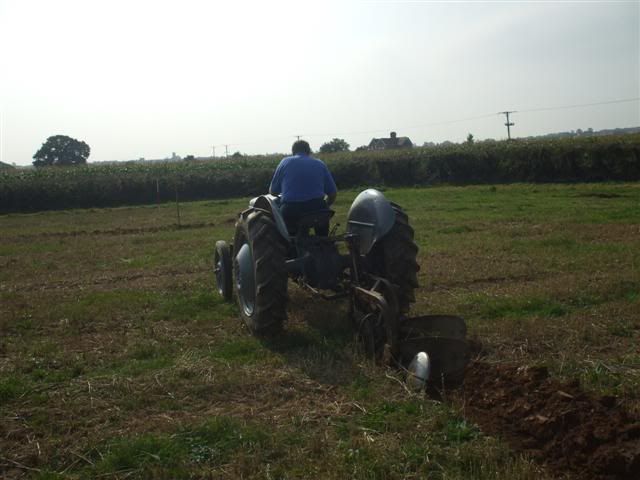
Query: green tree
x=62, y=150
x=335, y=145
x=470, y=139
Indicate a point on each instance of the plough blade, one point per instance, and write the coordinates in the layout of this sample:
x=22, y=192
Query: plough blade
x=442, y=337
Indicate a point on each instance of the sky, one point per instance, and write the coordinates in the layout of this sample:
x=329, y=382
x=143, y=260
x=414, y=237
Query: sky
x=140, y=78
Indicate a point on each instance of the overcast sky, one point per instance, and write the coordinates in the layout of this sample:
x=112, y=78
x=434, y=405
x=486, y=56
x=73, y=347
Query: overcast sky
x=141, y=78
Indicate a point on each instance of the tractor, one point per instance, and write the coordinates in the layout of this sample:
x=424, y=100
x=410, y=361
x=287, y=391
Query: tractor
x=377, y=273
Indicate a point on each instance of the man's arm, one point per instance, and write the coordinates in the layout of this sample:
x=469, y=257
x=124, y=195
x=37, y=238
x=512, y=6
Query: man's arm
x=330, y=189
x=275, y=188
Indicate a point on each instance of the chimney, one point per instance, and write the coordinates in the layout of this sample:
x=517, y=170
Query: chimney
x=393, y=134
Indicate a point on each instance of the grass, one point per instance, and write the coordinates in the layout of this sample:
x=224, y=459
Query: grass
x=211, y=444
x=117, y=357
x=11, y=387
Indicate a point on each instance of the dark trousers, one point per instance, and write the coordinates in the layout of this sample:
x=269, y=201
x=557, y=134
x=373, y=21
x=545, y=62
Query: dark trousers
x=292, y=212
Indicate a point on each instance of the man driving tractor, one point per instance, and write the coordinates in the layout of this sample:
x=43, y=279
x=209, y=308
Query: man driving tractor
x=303, y=182
x=373, y=264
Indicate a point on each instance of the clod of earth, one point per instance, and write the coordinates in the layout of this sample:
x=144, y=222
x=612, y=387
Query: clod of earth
x=554, y=422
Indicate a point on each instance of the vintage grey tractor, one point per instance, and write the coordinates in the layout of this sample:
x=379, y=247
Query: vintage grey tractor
x=377, y=274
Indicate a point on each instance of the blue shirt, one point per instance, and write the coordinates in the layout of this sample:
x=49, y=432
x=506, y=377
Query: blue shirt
x=300, y=178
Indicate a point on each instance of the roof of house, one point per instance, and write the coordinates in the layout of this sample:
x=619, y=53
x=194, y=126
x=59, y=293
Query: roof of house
x=392, y=142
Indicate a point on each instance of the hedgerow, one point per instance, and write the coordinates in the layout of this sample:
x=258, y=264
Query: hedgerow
x=590, y=159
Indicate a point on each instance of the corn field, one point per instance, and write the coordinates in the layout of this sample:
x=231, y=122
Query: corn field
x=590, y=159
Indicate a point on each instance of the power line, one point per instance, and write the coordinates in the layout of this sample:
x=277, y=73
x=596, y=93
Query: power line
x=361, y=132
x=255, y=142
x=580, y=105
x=435, y=124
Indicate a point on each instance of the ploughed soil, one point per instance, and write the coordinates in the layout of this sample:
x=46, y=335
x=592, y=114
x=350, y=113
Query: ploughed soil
x=554, y=422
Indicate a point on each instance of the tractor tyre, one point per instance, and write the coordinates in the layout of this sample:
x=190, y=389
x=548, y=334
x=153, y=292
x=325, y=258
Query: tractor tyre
x=394, y=258
x=259, y=273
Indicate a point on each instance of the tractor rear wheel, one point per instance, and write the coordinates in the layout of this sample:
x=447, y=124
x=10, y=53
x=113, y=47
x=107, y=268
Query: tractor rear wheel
x=259, y=273
x=394, y=258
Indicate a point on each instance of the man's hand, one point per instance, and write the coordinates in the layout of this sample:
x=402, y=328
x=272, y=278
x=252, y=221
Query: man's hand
x=331, y=197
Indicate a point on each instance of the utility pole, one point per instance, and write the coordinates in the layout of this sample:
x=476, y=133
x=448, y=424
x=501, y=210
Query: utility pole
x=214, y=150
x=508, y=124
x=226, y=150
x=297, y=136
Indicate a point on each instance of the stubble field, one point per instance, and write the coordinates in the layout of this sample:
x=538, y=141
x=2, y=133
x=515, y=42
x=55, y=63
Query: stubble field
x=118, y=359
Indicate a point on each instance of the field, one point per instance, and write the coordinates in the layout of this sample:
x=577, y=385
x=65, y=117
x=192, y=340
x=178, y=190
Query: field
x=118, y=359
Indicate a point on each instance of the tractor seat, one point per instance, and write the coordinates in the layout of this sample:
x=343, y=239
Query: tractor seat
x=318, y=220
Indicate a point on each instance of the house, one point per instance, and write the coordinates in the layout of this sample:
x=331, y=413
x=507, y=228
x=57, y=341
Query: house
x=389, y=143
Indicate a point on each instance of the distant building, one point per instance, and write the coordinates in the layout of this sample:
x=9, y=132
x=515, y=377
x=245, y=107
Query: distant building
x=390, y=143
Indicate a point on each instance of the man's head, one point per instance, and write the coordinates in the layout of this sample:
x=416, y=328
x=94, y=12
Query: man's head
x=301, y=147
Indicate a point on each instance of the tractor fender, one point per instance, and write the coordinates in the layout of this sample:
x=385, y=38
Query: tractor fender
x=371, y=216
x=271, y=203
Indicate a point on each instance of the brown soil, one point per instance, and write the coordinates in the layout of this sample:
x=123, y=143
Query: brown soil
x=557, y=423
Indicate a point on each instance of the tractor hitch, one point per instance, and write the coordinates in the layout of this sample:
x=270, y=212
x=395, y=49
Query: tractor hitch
x=431, y=348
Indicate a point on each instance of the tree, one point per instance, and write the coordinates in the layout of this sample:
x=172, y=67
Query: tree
x=335, y=145
x=470, y=139
x=62, y=150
